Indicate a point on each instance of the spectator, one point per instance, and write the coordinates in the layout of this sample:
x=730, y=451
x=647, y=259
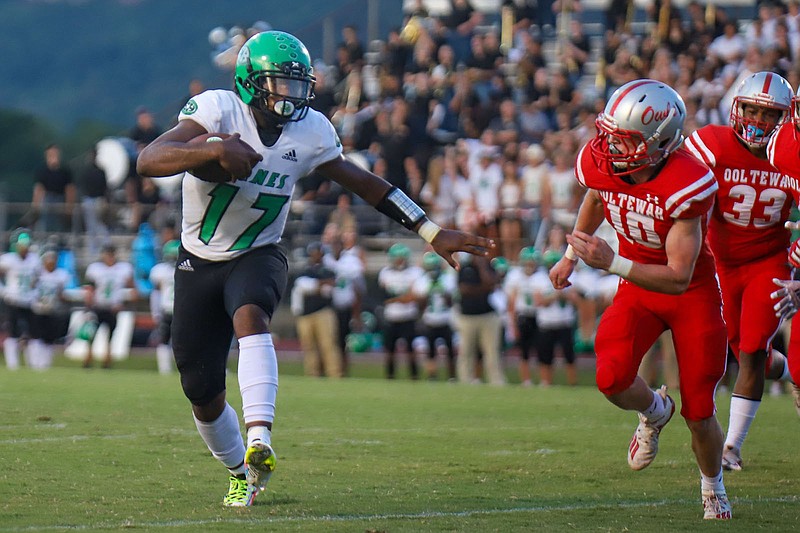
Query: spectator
x=534, y=173
x=445, y=189
x=351, y=43
x=53, y=192
x=730, y=46
x=510, y=224
x=485, y=178
x=94, y=204
x=19, y=268
x=561, y=192
x=312, y=304
x=109, y=284
x=477, y=323
x=342, y=216
x=145, y=130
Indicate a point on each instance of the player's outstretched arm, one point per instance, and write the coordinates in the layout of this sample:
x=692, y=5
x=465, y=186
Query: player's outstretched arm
x=393, y=203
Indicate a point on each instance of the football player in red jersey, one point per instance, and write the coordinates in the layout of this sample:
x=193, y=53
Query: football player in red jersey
x=748, y=239
x=656, y=197
x=783, y=151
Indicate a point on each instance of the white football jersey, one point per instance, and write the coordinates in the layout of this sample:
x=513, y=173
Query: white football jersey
x=522, y=287
x=162, y=276
x=438, y=310
x=223, y=220
x=559, y=314
x=110, y=282
x=398, y=282
x=48, y=290
x=20, y=275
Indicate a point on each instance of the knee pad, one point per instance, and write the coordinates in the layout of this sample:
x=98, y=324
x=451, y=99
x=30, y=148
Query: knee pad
x=612, y=379
x=199, y=386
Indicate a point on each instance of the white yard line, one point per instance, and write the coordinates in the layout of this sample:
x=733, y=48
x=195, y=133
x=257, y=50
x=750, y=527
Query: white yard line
x=255, y=520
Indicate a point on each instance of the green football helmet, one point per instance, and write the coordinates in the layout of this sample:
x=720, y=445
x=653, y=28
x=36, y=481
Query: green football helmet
x=529, y=254
x=500, y=264
x=274, y=74
x=551, y=257
x=170, y=250
x=399, y=251
x=431, y=261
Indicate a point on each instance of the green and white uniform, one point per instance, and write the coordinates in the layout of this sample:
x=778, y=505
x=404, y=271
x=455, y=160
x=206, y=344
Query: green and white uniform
x=224, y=220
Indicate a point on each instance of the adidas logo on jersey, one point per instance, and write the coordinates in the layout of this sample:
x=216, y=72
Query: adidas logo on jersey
x=186, y=265
x=291, y=155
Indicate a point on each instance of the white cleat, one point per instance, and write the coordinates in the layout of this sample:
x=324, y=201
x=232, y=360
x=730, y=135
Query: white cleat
x=716, y=505
x=731, y=459
x=259, y=462
x=644, y=444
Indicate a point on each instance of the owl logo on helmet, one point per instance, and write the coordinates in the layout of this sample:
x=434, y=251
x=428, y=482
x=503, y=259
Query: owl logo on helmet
x=765, y=90
x=274, y=74
x=640, y=126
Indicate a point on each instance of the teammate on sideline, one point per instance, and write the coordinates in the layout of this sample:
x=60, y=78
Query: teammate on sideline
x=162, y=276
x=657, y=198
x=231, y=272
x=748, y=240
x=47, y=306
x=19, y=268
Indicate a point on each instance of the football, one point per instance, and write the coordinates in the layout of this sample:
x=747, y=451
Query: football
x=211, y=171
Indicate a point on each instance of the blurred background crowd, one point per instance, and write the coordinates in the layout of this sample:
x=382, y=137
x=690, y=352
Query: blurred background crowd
x=477, y=115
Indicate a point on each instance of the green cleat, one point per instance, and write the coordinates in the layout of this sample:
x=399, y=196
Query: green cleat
x=259, y=462
x=240, y=493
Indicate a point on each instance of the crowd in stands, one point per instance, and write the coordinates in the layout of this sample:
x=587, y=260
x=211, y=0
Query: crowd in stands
x=483, y=133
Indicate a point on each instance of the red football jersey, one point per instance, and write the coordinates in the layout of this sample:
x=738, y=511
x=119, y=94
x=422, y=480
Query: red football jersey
x=642, y=214
x=753, y=200
x=783, y=152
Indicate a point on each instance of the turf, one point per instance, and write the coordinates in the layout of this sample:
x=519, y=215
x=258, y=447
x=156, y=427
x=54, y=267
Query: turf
x=112, y=450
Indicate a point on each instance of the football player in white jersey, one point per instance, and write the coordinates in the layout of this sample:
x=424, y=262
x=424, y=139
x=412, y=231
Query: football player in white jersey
x=48, y=308
x=20, y=269
x=162, y=276
x=109, y=284
x=231, y=272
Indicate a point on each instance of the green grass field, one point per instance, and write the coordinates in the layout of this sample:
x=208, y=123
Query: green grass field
x=117, y=450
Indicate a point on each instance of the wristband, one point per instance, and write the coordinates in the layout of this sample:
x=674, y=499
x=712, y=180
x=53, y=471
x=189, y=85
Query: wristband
x=400, y=208
x=621, y=266
x=570, y=253
x=428, y=231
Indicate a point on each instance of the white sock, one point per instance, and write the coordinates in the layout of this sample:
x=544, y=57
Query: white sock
x=224, y=439
x=258, y=377
x=11, y=354
x=657, y=408
x=47, y=355
x=743, y=411
x=259, y=433
x=35, y=354
x=164, y=359
x=714, y=484
x=785, y=375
